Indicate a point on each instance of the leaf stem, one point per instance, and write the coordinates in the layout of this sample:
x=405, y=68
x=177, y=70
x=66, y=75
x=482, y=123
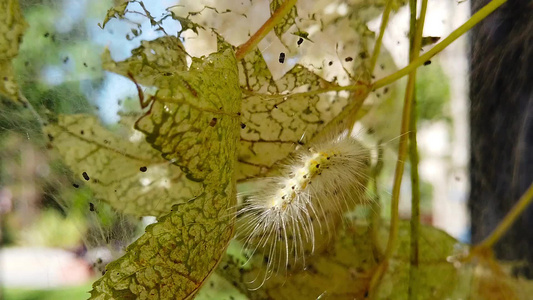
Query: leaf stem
x=509, y=219
x=274, y=19
x=414, y=159
x=402, y=152
x=476, y=18
x=377, y=46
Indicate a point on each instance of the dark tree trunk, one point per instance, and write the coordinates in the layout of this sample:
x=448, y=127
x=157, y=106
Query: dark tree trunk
x=501, y=119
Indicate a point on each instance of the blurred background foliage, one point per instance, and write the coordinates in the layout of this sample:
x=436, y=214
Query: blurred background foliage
x=41, y=203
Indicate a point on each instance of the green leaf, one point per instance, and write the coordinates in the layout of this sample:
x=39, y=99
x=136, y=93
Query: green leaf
x=192, y=112
x=115, y=12
x=150, y=61
x=344, y=271
x=186, y=24
x=178, y=253
x=341, y=272
x=123, y=170
x=438, y=276
x=217, y=287
x=12, y=27
x=287, y=21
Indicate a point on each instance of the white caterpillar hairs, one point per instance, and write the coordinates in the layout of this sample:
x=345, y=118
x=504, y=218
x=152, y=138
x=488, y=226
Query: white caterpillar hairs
x=290, y=216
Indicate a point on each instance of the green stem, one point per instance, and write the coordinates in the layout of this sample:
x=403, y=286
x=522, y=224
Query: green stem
x=509, y=219
x=402, y=152
x=476, y=18
x=415, y=206
x=274, y=19
x=377, y=46
x=414, y=159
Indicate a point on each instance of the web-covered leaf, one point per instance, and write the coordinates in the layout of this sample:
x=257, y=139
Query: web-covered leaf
x=287, y=22
x=121, y=11
x=12, y=27
x=122, y=170
x=193, y=121
x=151, y=60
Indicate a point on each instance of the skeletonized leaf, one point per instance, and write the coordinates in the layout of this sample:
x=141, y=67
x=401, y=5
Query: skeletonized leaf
x=12, y=27
x=177, y=254
x=287, y=21
x=124, y=171
x=277, y=115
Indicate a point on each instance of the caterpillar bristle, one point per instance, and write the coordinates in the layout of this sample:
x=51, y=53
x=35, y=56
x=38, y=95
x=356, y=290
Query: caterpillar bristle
x=294, y=214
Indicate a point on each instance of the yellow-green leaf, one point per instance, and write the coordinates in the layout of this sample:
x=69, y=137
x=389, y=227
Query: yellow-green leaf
x=12, y=27
x=344, y=271
x=150, y=61
x=341, y=272
x=115, y=12
x=123, y=170
x=219, y=288
x=178, y=253
x=438, y=278
x=192, y=112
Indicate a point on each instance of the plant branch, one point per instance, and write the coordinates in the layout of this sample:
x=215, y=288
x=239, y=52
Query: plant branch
x=414, y=159
x=377, y=46
x=274, y=19
x=509, y=219
x=402, y=152
x=476, y=18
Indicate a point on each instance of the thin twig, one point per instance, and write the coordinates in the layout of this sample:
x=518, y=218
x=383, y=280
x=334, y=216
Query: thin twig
x=377, y=46
x=476, y=18
x=402, y=152
x=509, y=219
x=274, y=19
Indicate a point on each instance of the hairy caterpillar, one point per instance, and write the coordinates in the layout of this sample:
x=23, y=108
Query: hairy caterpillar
x=288, y=217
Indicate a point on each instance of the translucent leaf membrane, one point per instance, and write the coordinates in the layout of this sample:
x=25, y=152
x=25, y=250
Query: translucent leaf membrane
x=287, y=22
x=12, y=27
x=123, y=170
x=278, y=115
x=193, y=121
